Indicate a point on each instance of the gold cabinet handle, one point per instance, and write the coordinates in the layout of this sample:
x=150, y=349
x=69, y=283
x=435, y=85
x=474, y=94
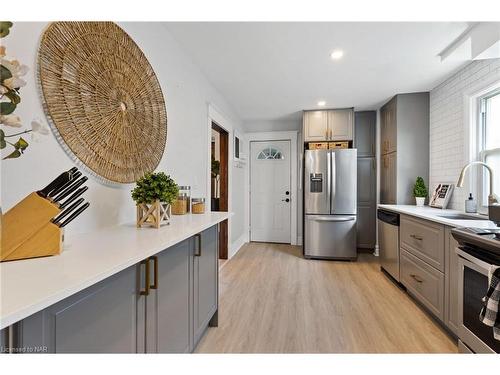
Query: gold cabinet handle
x=415, y=237
x=416, y=278
x=155, y=269
x=145, y=292
x=197, y=252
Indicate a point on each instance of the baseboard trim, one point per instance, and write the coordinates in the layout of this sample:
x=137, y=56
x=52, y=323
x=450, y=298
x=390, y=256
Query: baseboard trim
x=236, y=246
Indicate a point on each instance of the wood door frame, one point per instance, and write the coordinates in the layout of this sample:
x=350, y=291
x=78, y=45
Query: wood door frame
x=223, y=188
x=296, y=200
x=217, y=117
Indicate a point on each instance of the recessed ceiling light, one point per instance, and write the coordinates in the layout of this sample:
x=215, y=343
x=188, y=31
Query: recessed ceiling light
x=321, y=103
x=337, y=54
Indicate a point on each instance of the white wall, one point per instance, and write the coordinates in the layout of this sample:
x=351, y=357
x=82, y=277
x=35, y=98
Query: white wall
x=187, y=95
x=448, y=123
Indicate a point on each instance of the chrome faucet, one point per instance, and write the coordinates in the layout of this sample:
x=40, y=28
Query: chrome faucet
x=492, y=198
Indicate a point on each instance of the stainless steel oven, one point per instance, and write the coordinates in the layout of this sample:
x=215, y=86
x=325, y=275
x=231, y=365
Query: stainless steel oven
x=474, y=265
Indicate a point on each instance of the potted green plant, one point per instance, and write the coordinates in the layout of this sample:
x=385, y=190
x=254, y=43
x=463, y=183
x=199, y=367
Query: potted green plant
x=153, y=195
x=420, y=191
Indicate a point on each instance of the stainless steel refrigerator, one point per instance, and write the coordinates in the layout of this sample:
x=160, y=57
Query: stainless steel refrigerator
x=330, y=187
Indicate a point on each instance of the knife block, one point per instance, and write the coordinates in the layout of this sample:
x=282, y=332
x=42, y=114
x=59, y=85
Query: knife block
x=27, y=230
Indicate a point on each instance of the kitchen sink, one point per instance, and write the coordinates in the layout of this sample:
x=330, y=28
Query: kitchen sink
x=462, y=217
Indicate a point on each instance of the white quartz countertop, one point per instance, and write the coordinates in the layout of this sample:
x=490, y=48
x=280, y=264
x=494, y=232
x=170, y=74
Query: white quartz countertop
x=435, y=214
x=28, y=286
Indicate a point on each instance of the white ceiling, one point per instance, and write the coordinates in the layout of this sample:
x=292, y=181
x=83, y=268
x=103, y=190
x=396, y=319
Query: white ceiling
x=269, y=72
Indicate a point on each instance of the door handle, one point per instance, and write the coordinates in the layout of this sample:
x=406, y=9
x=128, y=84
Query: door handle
x=335, y=219
x=415, y=237
x=285, y=200
x=155, y=268
x=145, y=292
x=197, y=252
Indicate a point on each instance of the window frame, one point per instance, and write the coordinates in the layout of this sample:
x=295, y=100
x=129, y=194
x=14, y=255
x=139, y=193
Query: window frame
x=482, y=152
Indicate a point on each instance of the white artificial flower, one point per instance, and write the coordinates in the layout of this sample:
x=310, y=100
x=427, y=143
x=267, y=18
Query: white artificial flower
x=11, y=120
x=14, y=82
x=15, y=68
x=38, y=128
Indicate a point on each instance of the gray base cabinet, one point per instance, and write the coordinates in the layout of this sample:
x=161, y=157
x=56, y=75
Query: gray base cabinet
x=162, y=305
x=205, y=269
x=101, y=319
x=429, y=267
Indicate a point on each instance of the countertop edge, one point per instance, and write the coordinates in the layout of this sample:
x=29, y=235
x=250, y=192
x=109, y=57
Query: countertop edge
x=50, y=300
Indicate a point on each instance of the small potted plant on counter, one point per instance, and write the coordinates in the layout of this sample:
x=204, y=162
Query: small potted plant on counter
x=153, y=195
x=420, y=191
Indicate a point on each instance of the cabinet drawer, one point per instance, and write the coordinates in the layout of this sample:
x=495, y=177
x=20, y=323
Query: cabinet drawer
x=425, y=283
x=423, y=239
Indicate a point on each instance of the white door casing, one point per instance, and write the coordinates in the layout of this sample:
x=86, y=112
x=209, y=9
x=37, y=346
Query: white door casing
x=270, y=179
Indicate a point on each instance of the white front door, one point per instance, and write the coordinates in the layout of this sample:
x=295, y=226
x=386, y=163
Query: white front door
x=270, y=193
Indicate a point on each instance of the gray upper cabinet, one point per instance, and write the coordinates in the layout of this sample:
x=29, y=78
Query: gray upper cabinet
x=101, y=319
x=168, y=326
x=328, y=125
x=404, y=138
x=315, y=126
x=365, y=129
x=205, y=269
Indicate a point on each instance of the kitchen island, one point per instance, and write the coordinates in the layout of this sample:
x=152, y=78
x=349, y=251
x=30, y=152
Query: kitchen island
x=121, y=272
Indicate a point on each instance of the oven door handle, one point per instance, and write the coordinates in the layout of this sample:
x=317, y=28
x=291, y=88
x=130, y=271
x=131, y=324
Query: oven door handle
x=478, y=262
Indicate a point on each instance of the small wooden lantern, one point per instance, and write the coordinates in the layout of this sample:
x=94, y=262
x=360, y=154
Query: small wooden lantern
x=154, y=214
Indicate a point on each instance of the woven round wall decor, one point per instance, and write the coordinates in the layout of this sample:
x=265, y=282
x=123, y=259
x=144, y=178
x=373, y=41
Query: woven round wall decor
x=102, y=98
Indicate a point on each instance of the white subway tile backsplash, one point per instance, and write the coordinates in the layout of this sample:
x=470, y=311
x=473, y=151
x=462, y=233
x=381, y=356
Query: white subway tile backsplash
x=447, y=133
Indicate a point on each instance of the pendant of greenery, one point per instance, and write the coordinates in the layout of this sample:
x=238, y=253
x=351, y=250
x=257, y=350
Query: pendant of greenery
x=155, y=186
x=420, y=190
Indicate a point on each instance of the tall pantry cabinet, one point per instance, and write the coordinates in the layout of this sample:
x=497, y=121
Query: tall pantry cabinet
x=404, y=146
x=365, y=143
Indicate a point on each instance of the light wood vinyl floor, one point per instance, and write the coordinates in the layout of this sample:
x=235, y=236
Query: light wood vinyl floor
x=272, y=300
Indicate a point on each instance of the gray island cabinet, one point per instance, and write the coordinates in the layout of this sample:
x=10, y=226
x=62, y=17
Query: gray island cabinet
x=161, y=305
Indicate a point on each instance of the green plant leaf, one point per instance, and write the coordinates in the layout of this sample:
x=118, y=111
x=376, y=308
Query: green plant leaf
x=21, y=144
x=3, y=144
x=4, y=28
x=6, y=108
x=153, y=186
x=4, y=73
x=13, y=155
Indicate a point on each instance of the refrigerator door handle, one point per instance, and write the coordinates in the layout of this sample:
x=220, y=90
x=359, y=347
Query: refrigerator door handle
x=337, y=219
x=333, y=181
x=329, y=178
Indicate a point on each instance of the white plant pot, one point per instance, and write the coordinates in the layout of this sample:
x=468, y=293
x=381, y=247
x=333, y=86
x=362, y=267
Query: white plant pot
x=420, y=201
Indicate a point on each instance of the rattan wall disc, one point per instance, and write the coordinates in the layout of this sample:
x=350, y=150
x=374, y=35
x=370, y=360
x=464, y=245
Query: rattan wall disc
x=102, y=98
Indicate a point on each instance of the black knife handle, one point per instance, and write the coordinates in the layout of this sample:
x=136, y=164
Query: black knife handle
x=62, y=187
x=59, y=180
x=75, y=214
x=74, y=196
x=65, y=213
x=70, y=189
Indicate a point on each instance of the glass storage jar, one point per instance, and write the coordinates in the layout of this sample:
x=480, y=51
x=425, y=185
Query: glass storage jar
x=198, y=205
x=182, y=204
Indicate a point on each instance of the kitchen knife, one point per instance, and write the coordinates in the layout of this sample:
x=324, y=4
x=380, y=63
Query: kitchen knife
x=75, y=214
x=75, y=175
x=60, y=180
x=71, y=188
x=67, y=211
x=74, y=196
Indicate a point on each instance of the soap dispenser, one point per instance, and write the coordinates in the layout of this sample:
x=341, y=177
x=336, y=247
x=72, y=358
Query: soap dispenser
x=470, y=204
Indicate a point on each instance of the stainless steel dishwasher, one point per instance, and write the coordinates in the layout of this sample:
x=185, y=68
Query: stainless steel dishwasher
x=388, y=242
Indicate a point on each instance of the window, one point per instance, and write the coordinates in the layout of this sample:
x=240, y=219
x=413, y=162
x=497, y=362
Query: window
x=489, y=144
x=270, y=153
